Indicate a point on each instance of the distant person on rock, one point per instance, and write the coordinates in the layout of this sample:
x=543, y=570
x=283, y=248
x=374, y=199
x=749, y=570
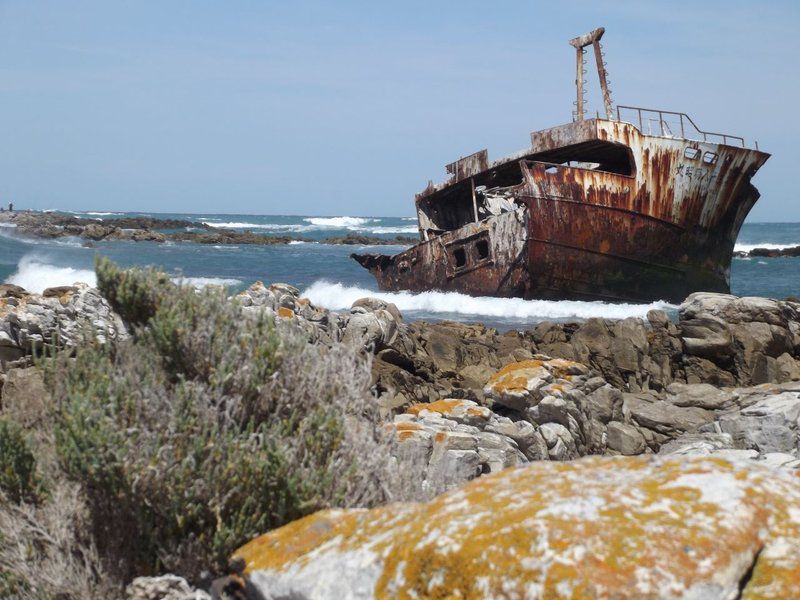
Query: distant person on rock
x=10, y=207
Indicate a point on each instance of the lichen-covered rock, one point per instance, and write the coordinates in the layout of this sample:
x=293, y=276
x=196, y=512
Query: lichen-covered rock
x=59, y=315
x=686, y=527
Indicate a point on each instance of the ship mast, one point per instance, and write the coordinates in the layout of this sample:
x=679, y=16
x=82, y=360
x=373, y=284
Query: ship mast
x=579, y=43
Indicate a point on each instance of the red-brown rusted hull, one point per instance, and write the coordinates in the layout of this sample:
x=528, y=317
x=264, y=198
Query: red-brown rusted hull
x=660, y=231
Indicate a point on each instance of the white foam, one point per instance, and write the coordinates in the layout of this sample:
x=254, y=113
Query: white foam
x=8, y=224
x=409, y=218
x=767, y=245
x=296, y=242
x=238, y=225
x=101, y=214
x=336, y=296
x=379, y=229
x=338, y=222
x=204, y=281
x=36, y=275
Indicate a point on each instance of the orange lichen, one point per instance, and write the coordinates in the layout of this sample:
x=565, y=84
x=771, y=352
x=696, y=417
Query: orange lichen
x=303, y=301
x=407, y=426
x=589, y=528
x=443, y=407
x=286, y=313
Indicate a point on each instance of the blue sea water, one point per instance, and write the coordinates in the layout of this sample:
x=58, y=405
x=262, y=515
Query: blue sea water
x=330, y=278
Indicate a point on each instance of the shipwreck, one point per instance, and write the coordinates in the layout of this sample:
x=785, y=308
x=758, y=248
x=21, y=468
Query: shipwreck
x=641, y=205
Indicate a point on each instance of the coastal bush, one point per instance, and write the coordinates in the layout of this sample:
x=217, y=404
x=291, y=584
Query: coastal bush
x=208, y=427
x=46, y=550
x=19, y=480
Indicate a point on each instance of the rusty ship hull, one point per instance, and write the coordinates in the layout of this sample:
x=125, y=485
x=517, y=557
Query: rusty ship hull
x=658, y=229
x=639, y=206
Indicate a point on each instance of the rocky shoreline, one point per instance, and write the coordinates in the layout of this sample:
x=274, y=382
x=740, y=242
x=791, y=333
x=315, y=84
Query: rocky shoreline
x=150, y=229
x=724, y=377
x=464, y=400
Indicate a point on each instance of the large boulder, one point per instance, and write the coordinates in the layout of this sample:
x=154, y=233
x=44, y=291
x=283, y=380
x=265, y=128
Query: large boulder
x=688, y=527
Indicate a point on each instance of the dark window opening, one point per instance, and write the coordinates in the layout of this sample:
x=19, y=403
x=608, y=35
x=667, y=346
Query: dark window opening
x=691, y=153
x=597, y=155
x=460, y=256
x=482, y=249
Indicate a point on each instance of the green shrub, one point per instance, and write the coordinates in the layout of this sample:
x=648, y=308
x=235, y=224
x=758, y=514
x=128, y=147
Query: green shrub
x=134, y=294
x=208, y=427
x=18, y=477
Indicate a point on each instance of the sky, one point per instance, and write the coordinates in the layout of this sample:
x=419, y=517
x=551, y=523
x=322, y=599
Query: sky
x=349, y=108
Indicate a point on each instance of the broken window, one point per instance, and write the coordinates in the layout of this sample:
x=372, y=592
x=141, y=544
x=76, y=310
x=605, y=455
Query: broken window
x=709, y=158
x=482, y=249
x=595, y=155
x=460, y=256
x=691, y=153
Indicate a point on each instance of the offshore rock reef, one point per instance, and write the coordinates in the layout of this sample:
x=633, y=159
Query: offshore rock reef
x=710, y=403
x=149, y=229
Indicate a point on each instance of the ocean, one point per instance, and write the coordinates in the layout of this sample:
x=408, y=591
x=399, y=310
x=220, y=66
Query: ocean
x=330, y=278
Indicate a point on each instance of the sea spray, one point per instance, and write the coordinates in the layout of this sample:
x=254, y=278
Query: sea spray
x=336, y=296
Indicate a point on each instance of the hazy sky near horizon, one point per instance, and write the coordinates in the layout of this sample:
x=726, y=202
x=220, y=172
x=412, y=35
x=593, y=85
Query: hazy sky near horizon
x=349, y=108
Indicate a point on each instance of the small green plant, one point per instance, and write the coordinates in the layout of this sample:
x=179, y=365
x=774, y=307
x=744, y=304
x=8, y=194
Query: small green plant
x=19, y=480
x=208, y=426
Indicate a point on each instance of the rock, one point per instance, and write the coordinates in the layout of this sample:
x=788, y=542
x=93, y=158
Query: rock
x=520, y=385
x=694, y=527
x=62, y=316
x=560, y=443
x=701, y=395
x=701, y=370
x=664, y=418
x=698, y=443
x=625, y=439
x=9, y=290
x=707, y=337
x=165, y=587
x=375, y=304
x=658, y=318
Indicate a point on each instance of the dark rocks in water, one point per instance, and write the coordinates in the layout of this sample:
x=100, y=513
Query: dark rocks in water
x=219, y=238
x=150, y=229
x=352, y=239
x=794, y=251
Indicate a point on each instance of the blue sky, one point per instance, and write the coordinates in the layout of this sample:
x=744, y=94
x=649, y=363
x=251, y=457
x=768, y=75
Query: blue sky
x=338, y=108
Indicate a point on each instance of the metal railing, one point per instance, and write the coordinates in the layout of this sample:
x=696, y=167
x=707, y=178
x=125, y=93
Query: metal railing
x=667, y=123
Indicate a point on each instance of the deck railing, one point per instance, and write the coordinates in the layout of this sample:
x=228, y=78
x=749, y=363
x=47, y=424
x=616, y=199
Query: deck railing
x=667, y=123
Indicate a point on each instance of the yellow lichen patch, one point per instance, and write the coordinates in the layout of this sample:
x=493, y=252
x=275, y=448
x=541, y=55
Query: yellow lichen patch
x=303, y=301
x=407, y=426
x=286, y=313
x=514, y=368
x=478, y=411
x=596, y=527
x=404, y=435
x=443, y=407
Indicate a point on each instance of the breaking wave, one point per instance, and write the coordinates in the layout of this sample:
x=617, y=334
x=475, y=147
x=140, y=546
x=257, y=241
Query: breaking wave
x=407, y=229
x=336, y=296
x=767, y=245
x=237, y=225
x=35, y=275
x=204, y=281
x=338, y=222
